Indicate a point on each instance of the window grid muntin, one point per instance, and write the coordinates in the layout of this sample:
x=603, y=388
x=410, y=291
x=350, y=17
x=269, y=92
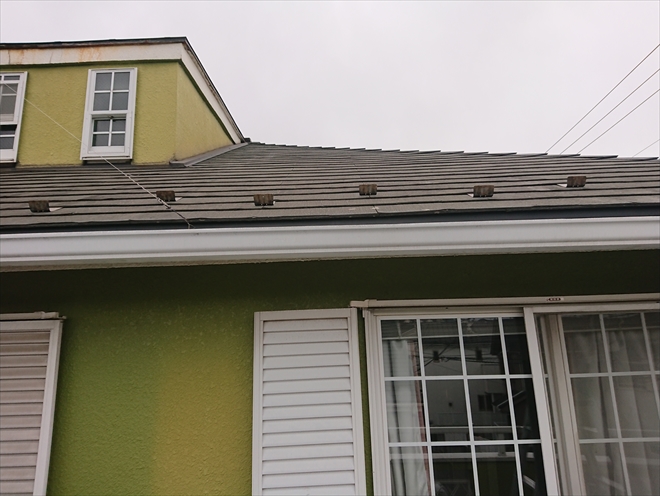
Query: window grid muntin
x=428, y=444
x=609, y=374
x=649, y=352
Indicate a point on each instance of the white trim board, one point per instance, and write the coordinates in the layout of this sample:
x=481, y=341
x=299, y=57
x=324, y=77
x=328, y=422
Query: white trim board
x=128, y=53
x=253, y=244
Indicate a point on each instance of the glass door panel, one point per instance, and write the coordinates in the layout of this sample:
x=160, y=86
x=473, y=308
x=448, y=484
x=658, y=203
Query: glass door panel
x=460, y=390
x=614, y=386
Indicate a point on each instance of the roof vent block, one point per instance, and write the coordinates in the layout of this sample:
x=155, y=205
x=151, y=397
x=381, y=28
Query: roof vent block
x=166, y=195
x=483, y=191
x=39, y=206
x=576, y=181
x=263, y=199
x=368, y=189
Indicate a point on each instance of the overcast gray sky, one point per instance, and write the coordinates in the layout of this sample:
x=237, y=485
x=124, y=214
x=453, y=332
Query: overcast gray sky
x=473, y=76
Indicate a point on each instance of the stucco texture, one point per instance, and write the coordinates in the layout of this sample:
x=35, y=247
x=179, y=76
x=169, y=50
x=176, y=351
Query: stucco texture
x=169, y=113
x=155, y=384
x=197, y=127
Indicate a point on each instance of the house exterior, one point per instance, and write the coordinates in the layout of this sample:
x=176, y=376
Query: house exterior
x=243, y=318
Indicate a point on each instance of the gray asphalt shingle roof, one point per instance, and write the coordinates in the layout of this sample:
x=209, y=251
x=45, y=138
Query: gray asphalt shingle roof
x=320, y=184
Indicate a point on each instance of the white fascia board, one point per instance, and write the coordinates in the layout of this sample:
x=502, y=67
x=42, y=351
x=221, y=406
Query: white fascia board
x=252, y=244
x=127, y=53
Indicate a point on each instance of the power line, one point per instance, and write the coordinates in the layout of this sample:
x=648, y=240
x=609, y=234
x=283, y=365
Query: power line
x=653, y=94
x=601, y=100
x=617, y=106
x=128, y=176
x=646, y=148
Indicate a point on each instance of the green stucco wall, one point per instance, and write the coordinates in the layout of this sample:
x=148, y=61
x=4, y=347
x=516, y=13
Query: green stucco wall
x=155, y=385
x=169, y=113
x=197, y=128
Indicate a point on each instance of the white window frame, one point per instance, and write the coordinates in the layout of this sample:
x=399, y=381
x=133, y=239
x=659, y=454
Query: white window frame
x=568, y=449
x=125, y=152
x=11, y=155
x=53, y=323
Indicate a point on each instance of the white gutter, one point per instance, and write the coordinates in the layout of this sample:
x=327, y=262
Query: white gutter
x=251, y=244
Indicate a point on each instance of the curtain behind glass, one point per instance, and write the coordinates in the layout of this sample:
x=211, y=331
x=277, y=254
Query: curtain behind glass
x=405, y=418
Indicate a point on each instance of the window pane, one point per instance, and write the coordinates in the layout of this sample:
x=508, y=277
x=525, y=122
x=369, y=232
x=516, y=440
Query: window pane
x=118, y=125
x=585, y=352
x=119, y=101
x=531, y=465
x=496, y=466
x=121, y=80
x=405, y=412
x=398, y=329
x=593, y=407
x=517, y=354
x=439, y=327
x=101, y=101
x=483, y=355
x=100, y=140
x=626, y=341
x=13, y=77
x=480, y=326
x=8, y=90
x=6, y=142
x=103, y=80
x=447, y=410
x=7, y=106
x=401, y=358
x=643, y=460
x=638, y=413
x=603, y=473
x=409, y=469
x=589, y=322
x=442, y=356
x=527, y=425
x=652, y=320
x=102, y=125
x=489, y=403
x=513, y=325
x=452, y=471
x=117, y=140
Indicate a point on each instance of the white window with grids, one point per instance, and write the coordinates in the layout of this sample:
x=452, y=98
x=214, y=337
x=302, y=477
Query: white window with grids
x=12, y=93
x=109, y=114
x=534, y=400
x=605, y=370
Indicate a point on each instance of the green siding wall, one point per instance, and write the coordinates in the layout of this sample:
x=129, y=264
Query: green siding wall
x=155, y=386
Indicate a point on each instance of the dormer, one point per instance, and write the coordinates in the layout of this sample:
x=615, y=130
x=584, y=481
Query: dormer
x=140, y=101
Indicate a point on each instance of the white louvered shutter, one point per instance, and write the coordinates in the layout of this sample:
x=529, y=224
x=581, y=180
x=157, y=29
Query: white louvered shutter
x=307, y=433
x=29, y=354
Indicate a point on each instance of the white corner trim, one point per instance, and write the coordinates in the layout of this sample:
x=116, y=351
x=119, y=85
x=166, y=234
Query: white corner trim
x=380, y=456
x=250, y=244
x=48, y=412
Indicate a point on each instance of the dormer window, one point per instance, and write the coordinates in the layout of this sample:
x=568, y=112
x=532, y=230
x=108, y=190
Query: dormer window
x=109, y=114
x=12, y=91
